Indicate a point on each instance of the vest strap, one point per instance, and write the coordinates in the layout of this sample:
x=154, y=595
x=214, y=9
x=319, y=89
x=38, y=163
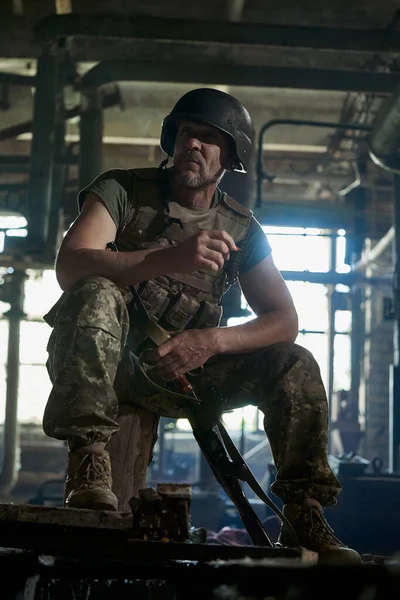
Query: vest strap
x=193, y=281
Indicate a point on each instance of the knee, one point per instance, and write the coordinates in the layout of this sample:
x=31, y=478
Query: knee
x=290, y=357
x=291, y=372
x=305, y=370
x=94, y=299
x=303, y=358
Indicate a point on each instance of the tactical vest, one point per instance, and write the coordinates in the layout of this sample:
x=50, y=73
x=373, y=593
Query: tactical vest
x=181, y=301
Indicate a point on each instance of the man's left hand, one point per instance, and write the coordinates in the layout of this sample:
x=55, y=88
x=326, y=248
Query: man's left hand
x=184, y=352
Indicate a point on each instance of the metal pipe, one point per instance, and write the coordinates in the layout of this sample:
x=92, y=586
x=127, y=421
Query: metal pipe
x=109, y=99
x=384, y=141
x=13, y=187
x=23, y=160
x=42, y=152
x=256, y=449
x=243, y=75
x=394, y=377
x=375, y=252
x=59, y=176
x=91, y=136
x=262, y=174
x=348, y=279
x=359, y=201
x=17, y=79
x=11, y=435
x=331, y=333
x=142, y=27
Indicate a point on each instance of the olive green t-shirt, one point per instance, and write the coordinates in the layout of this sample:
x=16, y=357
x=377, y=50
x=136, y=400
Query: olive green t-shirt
x=115, y=187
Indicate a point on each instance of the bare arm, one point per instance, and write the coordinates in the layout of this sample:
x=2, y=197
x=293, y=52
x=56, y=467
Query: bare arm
x=276, y=321
x=83, y=252
x=268, y=296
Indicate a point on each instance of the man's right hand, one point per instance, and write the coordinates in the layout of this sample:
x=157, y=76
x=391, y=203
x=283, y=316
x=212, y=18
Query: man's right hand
x=208, y=249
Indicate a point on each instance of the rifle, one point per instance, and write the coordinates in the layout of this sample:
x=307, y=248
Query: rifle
x=225, y=460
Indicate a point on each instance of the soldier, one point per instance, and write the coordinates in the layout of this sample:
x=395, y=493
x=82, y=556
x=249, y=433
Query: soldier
x=178, y=237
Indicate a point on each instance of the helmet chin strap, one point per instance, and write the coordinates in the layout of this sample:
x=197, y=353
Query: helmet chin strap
x=163, y=164
x=237, y=167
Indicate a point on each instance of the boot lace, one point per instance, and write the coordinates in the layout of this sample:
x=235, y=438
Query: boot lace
x=320, y=526
x=93, y=468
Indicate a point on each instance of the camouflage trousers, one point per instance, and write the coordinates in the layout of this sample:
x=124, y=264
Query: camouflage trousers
x=93, y=376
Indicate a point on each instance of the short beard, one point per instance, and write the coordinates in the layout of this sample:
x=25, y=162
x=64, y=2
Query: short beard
x=195, y=182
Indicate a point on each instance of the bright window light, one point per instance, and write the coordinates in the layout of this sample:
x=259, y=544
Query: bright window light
x=341, y=266
x=14, y=226
x=17, y=232
x=294, y=249
x=12, y=222
x=298, y=249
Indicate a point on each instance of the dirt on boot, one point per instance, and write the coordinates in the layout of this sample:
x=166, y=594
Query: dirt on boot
x=314, y=533
x=89, y=480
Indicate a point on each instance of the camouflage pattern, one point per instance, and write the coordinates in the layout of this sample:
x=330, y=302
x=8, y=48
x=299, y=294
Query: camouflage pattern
x=284, y=382
x=85, y=348
x=93, y=374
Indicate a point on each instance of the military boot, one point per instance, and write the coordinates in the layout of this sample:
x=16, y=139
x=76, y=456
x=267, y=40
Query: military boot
x=314, y=533
x=89, y=481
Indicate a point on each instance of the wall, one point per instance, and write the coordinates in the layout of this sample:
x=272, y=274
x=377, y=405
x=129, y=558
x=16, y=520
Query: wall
x=378, y=357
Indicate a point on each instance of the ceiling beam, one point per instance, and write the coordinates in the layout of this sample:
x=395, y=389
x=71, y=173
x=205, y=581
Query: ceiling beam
x=240, y=75
x=23, y=130
x=215, y=32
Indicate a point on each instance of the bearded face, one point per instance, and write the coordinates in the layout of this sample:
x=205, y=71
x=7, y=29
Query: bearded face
x=201, y=155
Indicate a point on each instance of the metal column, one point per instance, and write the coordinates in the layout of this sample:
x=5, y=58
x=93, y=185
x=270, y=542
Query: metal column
x=331, y=333
x=11, y=435
x=42, y=151
x=384, y=150
x=358, y=198
x=394, y=387
x=91, y=136
x=59, y=176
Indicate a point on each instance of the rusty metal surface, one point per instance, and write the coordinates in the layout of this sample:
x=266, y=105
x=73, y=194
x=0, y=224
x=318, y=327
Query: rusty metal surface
x=240, y=75
x=162, y=515
x=73, y=553
x=55, y=27
x=51, y=578
x=60, y=531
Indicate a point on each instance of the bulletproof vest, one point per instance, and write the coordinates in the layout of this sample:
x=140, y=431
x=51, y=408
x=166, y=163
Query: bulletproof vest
x=181, y=300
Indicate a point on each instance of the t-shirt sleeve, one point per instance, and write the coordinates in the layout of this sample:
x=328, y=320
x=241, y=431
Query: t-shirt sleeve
x=114, y=188
x=255, y=248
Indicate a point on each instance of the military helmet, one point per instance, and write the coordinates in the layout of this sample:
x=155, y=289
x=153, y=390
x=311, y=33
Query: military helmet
x=215, y=108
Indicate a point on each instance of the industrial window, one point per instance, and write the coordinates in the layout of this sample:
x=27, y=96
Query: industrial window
x=295, y=250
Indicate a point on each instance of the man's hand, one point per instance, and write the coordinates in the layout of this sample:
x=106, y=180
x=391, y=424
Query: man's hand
x=208, y=249
x=183, y=353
